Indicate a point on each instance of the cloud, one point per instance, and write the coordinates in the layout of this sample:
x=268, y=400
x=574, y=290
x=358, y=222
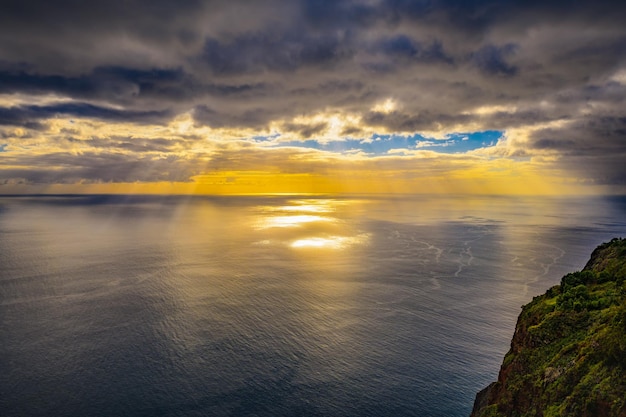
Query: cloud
x=594, y=146
x=64, y=168
x=402, y=46
x=29, y=116
x=315, y=71
x=113, y=83
x=492, y=59
x=306, y=130
x=271, y=51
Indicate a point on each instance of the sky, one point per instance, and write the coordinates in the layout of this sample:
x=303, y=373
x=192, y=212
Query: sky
x=304, y=96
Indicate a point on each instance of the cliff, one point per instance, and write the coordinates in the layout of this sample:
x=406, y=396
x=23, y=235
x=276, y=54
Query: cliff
x=568, y=353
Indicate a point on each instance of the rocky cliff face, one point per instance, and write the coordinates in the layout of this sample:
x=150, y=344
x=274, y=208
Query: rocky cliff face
x=568, y=353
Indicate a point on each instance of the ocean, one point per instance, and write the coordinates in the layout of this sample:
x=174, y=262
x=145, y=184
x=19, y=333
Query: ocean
x=274, y=305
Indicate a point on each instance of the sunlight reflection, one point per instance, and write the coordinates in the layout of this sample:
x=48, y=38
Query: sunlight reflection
x=305, y=206
x=297, y=213
x=308, y=223
x=308, y=208
x=330, y=242
x=318, y=242
x=291, y=221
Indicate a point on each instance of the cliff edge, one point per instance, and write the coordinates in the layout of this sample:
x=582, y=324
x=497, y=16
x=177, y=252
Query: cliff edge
x=568, y=353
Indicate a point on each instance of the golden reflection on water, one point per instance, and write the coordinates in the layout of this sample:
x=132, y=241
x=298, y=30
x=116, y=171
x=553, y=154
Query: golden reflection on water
x=303, y=206
x=291, y=221
x=330, y=242
x=314, y=223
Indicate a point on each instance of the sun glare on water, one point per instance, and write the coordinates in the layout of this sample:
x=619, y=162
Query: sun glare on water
x=292, y=221
x=315, y=224
x=330, y=242
x=334, y=242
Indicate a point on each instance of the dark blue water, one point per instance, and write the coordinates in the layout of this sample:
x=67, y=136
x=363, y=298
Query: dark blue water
x=174, y=306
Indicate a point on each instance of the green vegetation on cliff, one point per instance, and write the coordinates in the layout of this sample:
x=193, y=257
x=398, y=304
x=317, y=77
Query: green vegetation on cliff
x=568, y=353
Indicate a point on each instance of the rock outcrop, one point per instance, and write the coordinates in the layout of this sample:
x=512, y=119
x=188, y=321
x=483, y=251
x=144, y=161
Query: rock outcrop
x=568, y=352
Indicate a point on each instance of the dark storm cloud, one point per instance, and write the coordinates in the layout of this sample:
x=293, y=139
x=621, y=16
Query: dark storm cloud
x=612, y=92
x=402, y=46
x=63, y=17
x=524, y=117
x=595, y=136
x=595, y=146
x=19, y=117
x=271, y=51
x=248, y=64
x=546, y=143
x=492, y=59
x=478, y=15
x=123, y=85
x=27, y=115
x=103, y=81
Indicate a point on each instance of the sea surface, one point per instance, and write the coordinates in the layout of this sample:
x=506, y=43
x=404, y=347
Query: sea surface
x=276, y=305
